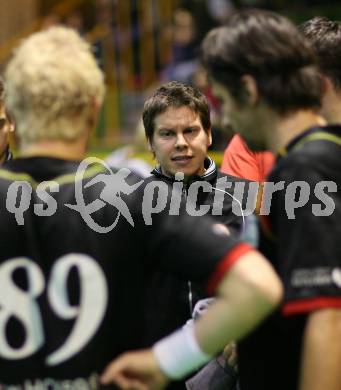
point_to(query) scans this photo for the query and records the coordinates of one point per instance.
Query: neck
(331, 105)
(66, 150)
(186, 177)
(291, 126)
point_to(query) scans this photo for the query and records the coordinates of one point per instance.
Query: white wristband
(179, 354)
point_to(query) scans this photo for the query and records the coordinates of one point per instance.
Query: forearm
(321, 354)
(246, 297)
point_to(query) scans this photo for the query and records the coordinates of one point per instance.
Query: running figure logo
(114, 185)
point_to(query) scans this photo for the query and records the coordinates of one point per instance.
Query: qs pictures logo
(114, 184)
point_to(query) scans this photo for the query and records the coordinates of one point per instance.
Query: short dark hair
(268, 47)
(325, 37)
(175, 94)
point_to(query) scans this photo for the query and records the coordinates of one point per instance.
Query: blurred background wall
(139, 44)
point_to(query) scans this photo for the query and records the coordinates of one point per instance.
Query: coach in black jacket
(178, 129)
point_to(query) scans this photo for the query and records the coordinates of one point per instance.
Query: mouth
(182, 158)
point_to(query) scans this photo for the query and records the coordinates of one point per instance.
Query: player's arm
(321, 356)
(246, 295)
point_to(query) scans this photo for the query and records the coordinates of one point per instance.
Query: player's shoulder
(297, 165)
(231, 178)
(11, 179)
(315, 146)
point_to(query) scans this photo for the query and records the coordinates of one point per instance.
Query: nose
(181, 142)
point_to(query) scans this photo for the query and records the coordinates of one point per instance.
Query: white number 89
(23, 305)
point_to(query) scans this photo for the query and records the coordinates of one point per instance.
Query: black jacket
(171, 299)
(227, 209)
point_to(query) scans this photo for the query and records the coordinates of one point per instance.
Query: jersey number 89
(22, 304)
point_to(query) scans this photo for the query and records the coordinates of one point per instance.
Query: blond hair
(52, 82)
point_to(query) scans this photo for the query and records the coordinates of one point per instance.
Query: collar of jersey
(210, 172)
(62, 179)
(330, 133)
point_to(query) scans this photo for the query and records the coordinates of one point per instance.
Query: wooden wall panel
(17, 19)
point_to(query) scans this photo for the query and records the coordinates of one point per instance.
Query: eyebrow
(194, 126)
(165, 129)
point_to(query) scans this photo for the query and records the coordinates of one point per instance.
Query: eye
(166, 133)
(191, 130)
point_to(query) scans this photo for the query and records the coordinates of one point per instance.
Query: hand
(135, 371)
(230, 355)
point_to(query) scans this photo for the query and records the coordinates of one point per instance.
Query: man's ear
(91, 119)
(209, 137)
(251, 89)
(326, 85)
(93, 114)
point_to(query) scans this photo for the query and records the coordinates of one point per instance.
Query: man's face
(244, 118)
(6, 126)
(180, 142)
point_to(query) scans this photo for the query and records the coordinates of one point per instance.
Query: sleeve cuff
(225, 264)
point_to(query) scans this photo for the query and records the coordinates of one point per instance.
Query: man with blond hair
(77, 248)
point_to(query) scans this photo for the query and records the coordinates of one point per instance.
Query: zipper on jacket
(189, 283)
(190, 298)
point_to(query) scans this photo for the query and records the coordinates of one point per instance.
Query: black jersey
(301, 237)
(76, 251)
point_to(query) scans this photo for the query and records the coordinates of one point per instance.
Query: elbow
(264, 283)
(274, 291)
(268, 283)
(269, 286)
(267, 294)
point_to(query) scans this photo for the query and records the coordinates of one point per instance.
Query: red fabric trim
(308, 305)
(225, 264)
(240, 161)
